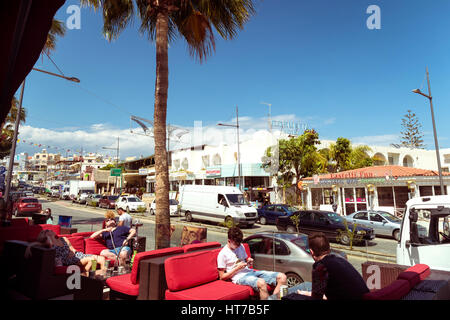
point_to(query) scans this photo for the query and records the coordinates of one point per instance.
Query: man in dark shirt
(116, 239)
(332, 275)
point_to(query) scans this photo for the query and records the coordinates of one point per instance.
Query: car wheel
(229, 222)
(344, 239)
(396, 235)
(152, 212)
(188, 216)
(263, 220)
(291, 229)
(293, 279)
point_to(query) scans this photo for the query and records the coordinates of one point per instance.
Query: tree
(342, 156)
(411, 134)
(163, 21)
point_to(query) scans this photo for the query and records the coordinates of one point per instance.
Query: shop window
(401, 196)
(316, 197)
(349, 208)
(426, 191)
(327, 196)
(385, 197)
(348, 195)
(360, 194)
(437, 190)
(361, 206)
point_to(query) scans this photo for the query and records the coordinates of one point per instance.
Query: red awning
(35, 19)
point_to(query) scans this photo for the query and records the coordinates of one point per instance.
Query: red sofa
(404, 283)
(194, 276)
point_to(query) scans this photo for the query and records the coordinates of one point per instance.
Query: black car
(269, 213)
(330, 223)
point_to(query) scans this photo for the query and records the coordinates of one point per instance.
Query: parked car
(108, 202)
(173, 207)
(130, 203)
(289, 253)
(330, 223)
(93, 199)
(26, 206)
(383, 223)
(270, 213)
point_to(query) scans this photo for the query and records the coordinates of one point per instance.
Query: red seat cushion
(33, 231)
(147, 255)
(200, 246)
(77, 243)
(123, 284)
(215, 290)
(421, 269)
(94, 246)
(20, 222)
(395, 291)
(60, 270)
(82, 234)
(191, 269)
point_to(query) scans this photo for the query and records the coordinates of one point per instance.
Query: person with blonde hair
(65, 253)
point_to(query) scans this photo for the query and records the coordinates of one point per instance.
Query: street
(86, 218)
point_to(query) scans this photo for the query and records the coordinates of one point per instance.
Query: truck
(78, 190)
(217, 204)
(53, 188)
(425, 233)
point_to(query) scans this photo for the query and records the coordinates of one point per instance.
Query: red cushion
(201, 246)
(20, 222)
(216, 290)
(33, 231)
(422, 269)
(123, 284)
(94, 246)
(395, 291)
(60, 270)
(82, 234)
(147, 255)
(77, 243)
(191, 269)
(12, 233)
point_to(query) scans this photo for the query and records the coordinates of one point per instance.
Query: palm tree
(163, 21)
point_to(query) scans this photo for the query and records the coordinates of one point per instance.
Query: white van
(216, 203)
(425, 234)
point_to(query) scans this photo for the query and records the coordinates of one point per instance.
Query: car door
(321, 224)
(279, 212)
(268, 212)
(361, 218)
(306, 223)
(260, 249)
(376, 223)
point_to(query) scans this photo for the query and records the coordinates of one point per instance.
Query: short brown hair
(235, 234)
(319, 243)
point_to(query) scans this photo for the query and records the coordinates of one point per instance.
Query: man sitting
(332, 275)
(233, 263)
(116, 238)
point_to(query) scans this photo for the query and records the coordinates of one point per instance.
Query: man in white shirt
(233, 263)
(124, 218)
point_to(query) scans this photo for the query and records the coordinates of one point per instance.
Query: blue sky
(314, 61)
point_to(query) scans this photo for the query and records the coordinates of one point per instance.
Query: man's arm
(131, 234)
(228, 275)
(97, 234)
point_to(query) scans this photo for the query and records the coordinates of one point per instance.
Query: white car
(173, 207)
(130, 203)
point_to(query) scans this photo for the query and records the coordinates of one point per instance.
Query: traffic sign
(115, 172)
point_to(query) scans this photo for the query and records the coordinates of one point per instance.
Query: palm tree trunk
(162, 226)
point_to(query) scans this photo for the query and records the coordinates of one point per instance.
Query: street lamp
(441, 182)
(270, 116)
(238, 148)
(117, 158)
(16, 128)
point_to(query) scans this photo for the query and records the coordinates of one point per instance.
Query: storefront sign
(143, 172)
(213, 173)
(352, 175)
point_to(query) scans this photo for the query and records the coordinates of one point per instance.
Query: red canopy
(20, 50)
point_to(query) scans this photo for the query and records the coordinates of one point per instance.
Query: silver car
(291, 255)
(383, 223)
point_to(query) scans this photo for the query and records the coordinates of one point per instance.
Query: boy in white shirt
(233, 263)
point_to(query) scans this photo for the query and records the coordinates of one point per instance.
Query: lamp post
(270, 116)
(238, 148)
(441, 182)
(117, 158)
(16, 128)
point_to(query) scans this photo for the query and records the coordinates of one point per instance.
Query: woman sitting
(65, 253)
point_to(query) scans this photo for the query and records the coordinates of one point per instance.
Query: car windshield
(389, 216)
(133, 199)
(236, 199)
(112, 198)
(334, 217)
(173, 202)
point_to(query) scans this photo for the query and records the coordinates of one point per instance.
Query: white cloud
(380, 140)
